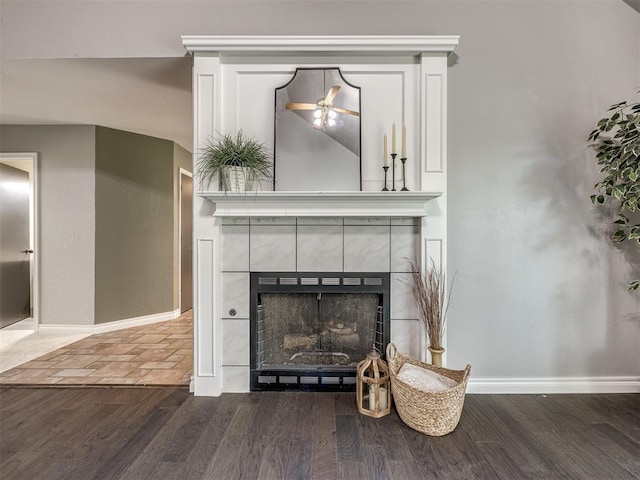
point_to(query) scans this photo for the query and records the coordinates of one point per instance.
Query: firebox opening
(309, 331)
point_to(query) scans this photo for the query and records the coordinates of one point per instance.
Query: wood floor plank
(476, 461)
(594, 440)
(387, 433)
(515, 429)
(149, 426)
(82, 434)
(106, 438)
(578, 461)
(167, 471)
(425, 454)
(194, 415)
(621, 411)
(352, 470)
(75, 423)
(345, 404)
(170, 441)
(290, 410)
(406, 470)
(204, 449)
(375, 463)
(28, 445)
(228, 459)
(622, 441)
(501, 463)
(263, 426)
(450, 459)
(347, 439)
(15, 399)
(324, 460)
(300, 454)
(298, 460)
(77, 441)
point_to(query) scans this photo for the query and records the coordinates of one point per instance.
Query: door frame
(34, 221)
(181, 171)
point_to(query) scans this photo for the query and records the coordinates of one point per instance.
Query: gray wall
(108, 207)
(66, 158)
(134, 225)
(540, 290)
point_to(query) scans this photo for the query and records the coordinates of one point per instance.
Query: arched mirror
(317, 133)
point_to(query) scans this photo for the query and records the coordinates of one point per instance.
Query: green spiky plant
(616, 140)
(230, 150)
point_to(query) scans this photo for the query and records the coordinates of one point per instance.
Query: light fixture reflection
(15, 187)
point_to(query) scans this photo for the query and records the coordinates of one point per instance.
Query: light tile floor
(155, 354)
(19, 343)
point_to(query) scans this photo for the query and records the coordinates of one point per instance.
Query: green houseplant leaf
(222, 152)
(616, 140)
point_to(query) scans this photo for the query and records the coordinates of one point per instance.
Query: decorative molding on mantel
(320, 204)
(292, 44)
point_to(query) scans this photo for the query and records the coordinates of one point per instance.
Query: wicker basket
(436, 413)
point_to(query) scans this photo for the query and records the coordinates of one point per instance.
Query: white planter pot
(236, 179)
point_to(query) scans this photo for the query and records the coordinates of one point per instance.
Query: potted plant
(432, 299)
(616, 140)
(236, 160)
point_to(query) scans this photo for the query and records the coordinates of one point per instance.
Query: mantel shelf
(319, 44)
(320, 204)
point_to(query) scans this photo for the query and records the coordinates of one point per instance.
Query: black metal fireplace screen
(309, 330)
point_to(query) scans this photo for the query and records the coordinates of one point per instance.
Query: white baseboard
(208, 386)
(555, 385)
(111, 326)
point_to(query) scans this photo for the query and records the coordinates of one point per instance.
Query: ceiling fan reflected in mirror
(315, 139)
(323, 110)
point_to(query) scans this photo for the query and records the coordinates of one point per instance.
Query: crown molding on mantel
(320, 204)
(349, 44)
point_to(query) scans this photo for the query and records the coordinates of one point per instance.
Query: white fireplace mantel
(321, 44)
(404, 80)
(320, 204)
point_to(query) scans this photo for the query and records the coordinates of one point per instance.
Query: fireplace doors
(309, 330)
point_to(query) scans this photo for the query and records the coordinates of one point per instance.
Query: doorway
(18, 237)
(186, 240)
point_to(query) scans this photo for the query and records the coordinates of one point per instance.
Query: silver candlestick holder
(386, 169)
(393, 171)
(404, 184)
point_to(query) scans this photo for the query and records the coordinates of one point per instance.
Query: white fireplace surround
(403, 79)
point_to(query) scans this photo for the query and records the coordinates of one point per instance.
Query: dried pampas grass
(431, 296)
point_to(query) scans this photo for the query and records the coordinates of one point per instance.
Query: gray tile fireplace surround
(308, 244)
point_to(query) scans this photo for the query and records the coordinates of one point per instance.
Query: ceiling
(151, 96)
(635, 4)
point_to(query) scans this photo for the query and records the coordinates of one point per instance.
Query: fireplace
(312, 231)
(309, 330)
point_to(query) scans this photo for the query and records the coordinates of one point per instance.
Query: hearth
(309, 330)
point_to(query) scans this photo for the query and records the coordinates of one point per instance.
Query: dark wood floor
(154, 433)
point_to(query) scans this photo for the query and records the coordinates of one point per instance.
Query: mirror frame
(275, 115)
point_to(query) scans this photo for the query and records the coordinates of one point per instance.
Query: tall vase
(436, 356)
